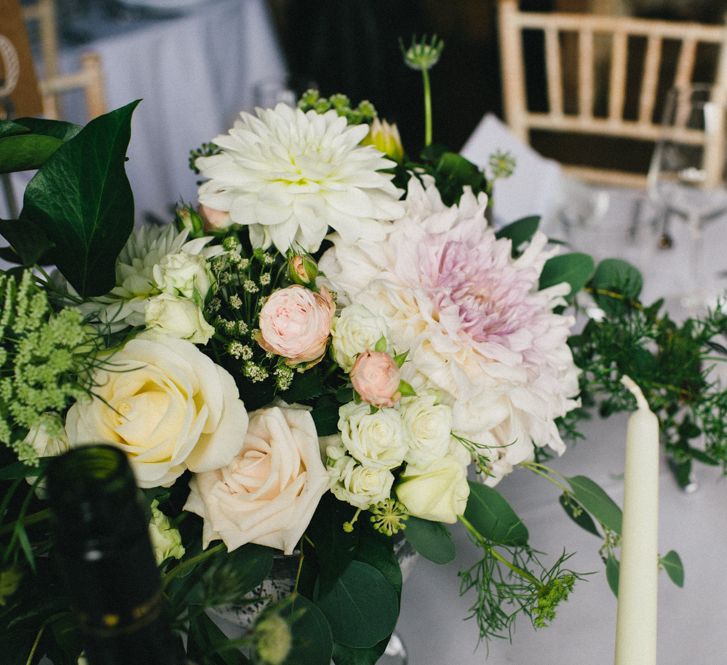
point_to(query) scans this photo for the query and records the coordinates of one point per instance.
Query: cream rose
(167, 405)
(437, 492)
(358, 485)
(270, 490)
(375, 377)
(177, 317)
(183, 274)
(374, 439)
(295, 323)
(428, 427)
(355, 330)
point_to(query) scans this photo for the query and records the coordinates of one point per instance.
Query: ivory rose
(361, 486)
(353, 331)
(428, 427)
(167, 405)
(374, 439)
(270, 490)
(437, 492)
(295, 323)
(375, 377)
(177, 317)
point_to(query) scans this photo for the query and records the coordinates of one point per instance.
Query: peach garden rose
(295, 323)
(375, 377)
(269, 492)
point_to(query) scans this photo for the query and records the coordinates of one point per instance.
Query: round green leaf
(574, 268)
(615, 276)
(431, 539)
(493, 517)
(312, 640)
(361, 607)
(519, 232)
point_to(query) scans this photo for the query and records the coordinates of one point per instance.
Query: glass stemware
(687, 175)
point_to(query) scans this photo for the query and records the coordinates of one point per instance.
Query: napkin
(529, 191)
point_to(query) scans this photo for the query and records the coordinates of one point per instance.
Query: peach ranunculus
(269, 492)
(166, 405)
(295, 323)
(375, 377)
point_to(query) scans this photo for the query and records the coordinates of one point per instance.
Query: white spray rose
(428, 428)
(165, 539)
(437, 492)
(183, 274)
(177, 317)
(354, 331)
(358, 485)
(374, 439)
(48, 440)
(167, 406)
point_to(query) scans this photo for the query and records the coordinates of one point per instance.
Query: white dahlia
(289, 175)
(478, 330)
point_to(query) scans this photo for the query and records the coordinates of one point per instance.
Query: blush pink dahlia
(477, 328)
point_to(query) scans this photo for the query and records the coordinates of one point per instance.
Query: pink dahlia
(477, 328)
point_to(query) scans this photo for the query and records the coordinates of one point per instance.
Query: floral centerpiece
(330, 356)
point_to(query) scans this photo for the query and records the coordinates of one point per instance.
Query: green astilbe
(47, 361)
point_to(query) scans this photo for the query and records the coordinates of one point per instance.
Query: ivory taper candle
(637, 606)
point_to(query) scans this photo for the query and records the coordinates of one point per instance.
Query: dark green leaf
(26, 143)
(11, 128)
(325, 416)
(431, 539)
(578, 515)
(682, 471)
(348, 656)
(672, 564)
(575, 269)
(379, 553)
(59, 129)
(519, 232)
(362, 607)
(493, 517)
(82, 199)
(206, 644)
(305, 386)
(312, 640)
(240, 571)
(27, 240)
(596, 502)
(612, 571)
(618, 277)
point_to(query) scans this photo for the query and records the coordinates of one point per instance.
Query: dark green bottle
(106, 558)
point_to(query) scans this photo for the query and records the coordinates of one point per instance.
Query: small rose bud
(375, 377)
(302, 269)
(385, 137)
(214, 220)
(189, 219)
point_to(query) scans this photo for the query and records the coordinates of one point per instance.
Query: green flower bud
(273, 640)
(188, 218)
(165, 539)
(385, 137)
(302, 269)
(422, 55)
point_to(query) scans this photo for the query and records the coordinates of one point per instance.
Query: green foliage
(612, 573)
(312, 638)
(493, 517)
(431, 539)
(614, 276)
(82, 200)
(575, 269)
(593, 499)
(575, 511)
(519, 232)
(26, 143)
(364, 112)
(671, 562)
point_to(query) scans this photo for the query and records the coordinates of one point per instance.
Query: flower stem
(427, 108)
(547, 473)
(190, 563)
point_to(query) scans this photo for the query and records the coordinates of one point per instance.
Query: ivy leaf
(431, 539)
(601, 506)
(27, 240)
(519, 232)
(574, 268)
(493, 517)
(82, 200)
(362, 607)
(26, 143)
(672, 564)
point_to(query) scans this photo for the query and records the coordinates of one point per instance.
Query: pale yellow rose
(177, 317)
(167, 405)
(270, 490)
(437, 492)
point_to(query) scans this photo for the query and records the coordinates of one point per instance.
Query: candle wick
(635, 391)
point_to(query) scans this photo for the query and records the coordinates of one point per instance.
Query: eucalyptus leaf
(574, 268)
(312, 640)
(672, 564)
(578, 515)
(612, 573)
(614, 276)
(347, 656)
(593, 498)
(431, 539)
(519, 232)
(362, 607)
(82, 200)
(377, 551)
(206, 644)
(493, 517)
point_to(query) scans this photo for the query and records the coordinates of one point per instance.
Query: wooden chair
(568, 37)
(53, 85)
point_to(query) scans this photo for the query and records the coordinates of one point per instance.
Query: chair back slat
(647, 98)
(685, 64)
(617, 80)
(585, 74)
(553, 71)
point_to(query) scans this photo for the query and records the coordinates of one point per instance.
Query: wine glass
(686, 178)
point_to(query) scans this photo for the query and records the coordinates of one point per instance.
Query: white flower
(376, 439)
(155, 259)
(428, 428)
(289, 175)
(166, 405)
(361, 486)
(354, 331)
(177, 317)
(478, 329)
(165, 539)
(48, 440)
(436, 492)
(270, 490)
